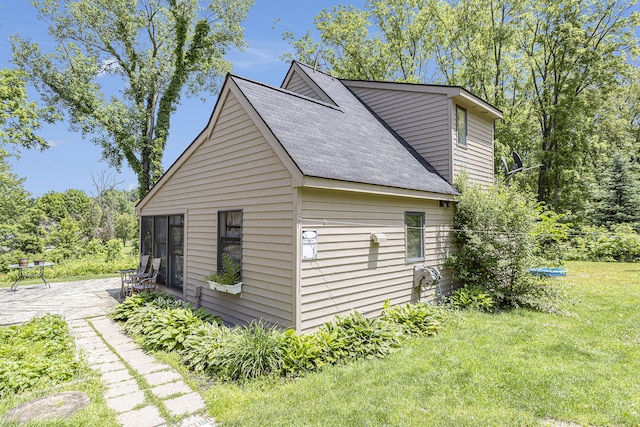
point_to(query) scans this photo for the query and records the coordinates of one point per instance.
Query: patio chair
(132, 276)
(142, 269)
(149, 283)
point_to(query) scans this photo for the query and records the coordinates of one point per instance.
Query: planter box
(229, 289)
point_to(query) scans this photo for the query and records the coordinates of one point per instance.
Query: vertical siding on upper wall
(353, 273)
(298, 85)
(421, 119)
(476, 159)
(236, 169)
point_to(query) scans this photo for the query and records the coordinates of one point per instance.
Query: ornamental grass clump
(250, 352)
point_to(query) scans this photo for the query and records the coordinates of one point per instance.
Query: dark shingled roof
(346, 143)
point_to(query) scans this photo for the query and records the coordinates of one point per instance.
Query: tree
(13, 197)
(576, 52)
(158, 49)
(550, 66)
(125, 227)
(19, 118)
(620, 203)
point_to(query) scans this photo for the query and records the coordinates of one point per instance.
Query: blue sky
(70, 160)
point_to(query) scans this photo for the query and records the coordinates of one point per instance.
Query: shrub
(621, 243)
(472, 297)
(113, 250)
(415, 319)
(495, 242)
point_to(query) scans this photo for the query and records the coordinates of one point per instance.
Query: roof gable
(345, 142)
(336, 137)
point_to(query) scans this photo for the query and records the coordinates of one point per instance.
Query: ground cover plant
(161, 323)
(38, 358)
(516, 367)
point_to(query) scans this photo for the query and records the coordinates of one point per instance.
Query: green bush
(496, 243)
(113, 250)
(39, 353)
(472, 297)
(414, 319)
(621, 243)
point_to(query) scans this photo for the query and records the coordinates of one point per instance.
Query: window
(162, 236)
(461, 125)
(229, 236)
(414, 223)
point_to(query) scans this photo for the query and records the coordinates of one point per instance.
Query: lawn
(519, 368)
(580, 367)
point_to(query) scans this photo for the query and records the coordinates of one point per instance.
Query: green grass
(38, 359)
(519, 368)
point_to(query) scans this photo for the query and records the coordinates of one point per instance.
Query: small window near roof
(461, 126)
(414, 224)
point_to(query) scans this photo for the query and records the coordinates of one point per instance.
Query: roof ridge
(316, 70)
(286, 92)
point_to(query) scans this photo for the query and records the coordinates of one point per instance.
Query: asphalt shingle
(345, 141)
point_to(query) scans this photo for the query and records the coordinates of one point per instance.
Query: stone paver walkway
(141, 390)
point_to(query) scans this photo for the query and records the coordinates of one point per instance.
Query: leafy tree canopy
(556, 68)
(19, 118)
(156, 49)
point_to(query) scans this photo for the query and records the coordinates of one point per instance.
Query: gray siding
(421, 119)
(476, 159)
(351, 272)
(298, 85)
(236, 169)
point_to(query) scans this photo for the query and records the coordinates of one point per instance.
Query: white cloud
(260, 55)
(108, 66)
(57, 142)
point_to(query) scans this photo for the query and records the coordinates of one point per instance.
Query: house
(327, 191)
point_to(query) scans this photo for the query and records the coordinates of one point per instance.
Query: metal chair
(149, 283)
